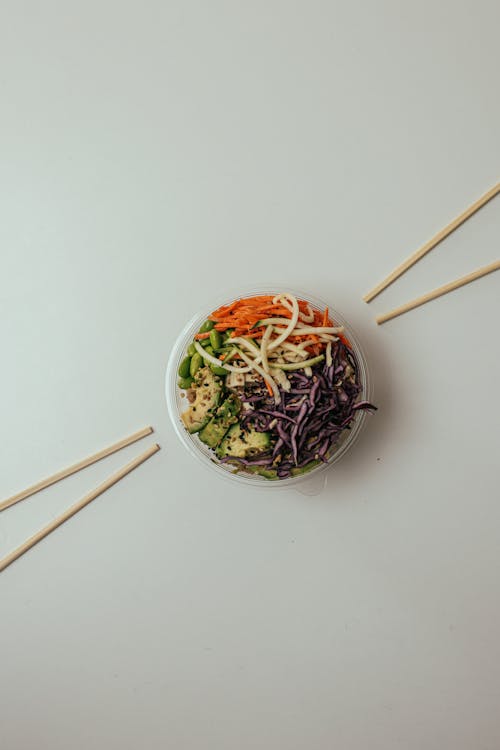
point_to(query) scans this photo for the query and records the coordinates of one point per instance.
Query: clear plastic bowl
(177, 404)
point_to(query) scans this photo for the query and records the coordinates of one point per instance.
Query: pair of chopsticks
(73, 509)
(418, 254)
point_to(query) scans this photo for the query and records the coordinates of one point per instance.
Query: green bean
(191, 350)
(185, 383)
(207, 326)
(215, 338)
(184, 367)
(196, 362)
(218, 370)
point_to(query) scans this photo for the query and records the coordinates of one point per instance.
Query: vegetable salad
(271, 383)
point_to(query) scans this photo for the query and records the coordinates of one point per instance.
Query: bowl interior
(177, 401)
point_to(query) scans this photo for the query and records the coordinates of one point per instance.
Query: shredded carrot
(269, 389)
(241, 316)
(201, 336)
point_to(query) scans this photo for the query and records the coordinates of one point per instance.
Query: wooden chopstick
(75, 467)
(432, 243)
(73, 509)
(495, 266)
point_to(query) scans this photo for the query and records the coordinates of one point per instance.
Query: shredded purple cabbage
(310, 417)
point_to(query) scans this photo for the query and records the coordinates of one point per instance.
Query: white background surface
(155, 153)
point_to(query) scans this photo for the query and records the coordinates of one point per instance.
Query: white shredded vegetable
(329, 354)
(307, 342)
(281, 378)
(264, 346)
(273, 321)
(293, 321)
(307, 318)
(250, 345)
(216, 361)
(297, 348)
(302, 330)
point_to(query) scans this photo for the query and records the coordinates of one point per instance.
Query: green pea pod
(196, 363)
(215, 339)
(185, 383)
(207, 326)
(218, 370)
(191, 350)
(185, 367)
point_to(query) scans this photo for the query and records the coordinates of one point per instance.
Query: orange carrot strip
(200, 336)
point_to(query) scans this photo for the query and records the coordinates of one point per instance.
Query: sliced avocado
(229, 409)
(267, 473)
(304, 469)
(213, 432)
(224, 416)
(263, 472)
(243, 443)
(272, 473)
(208, 391)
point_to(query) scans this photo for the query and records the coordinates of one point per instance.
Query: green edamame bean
(215, 338)
(185, 383)
(218, 370)
(184, 367)
(207, 326)
(205, 343)
(191, 350)
(196, 362)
